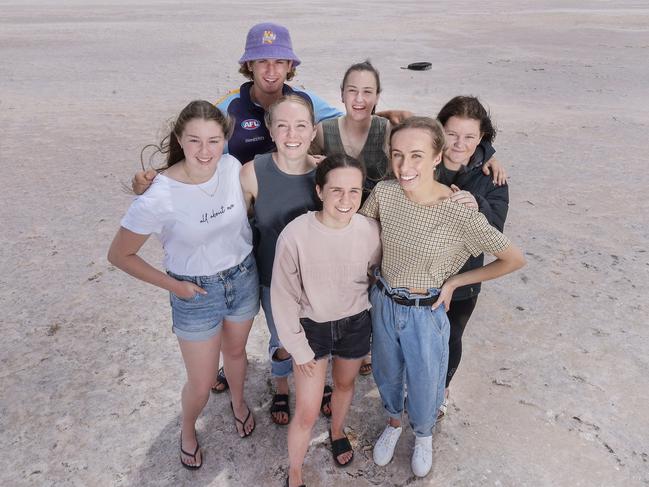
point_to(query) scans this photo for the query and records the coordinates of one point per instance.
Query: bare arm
(395, 116)
(317, 146)
(507, 261)
(248, 180)
(386, 142)
(123, 254)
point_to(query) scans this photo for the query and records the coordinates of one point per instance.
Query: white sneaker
(385, 445)
(422, 456)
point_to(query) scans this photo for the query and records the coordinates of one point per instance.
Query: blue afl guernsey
(250, 136)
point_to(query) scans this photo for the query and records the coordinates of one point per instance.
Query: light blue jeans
(278, 368)
(409, 350)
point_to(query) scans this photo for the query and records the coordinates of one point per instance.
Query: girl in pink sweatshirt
(319, 294)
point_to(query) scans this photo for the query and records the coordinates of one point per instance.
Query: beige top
(425, 245)
(322, 274)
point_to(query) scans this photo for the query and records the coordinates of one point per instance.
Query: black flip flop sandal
(193, 455)
(243, 423)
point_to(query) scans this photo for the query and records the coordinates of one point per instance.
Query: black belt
(407, 301)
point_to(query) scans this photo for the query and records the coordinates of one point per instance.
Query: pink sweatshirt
(320, 273)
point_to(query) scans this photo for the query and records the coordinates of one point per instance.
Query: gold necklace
(198, 185)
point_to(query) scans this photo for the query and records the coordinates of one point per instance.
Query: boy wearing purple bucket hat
(268, 62)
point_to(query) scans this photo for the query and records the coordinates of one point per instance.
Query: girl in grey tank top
(281, 197)
(279, 187)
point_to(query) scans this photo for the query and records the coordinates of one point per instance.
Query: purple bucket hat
(269, 41)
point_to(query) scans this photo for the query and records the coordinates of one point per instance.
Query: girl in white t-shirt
(196, 208)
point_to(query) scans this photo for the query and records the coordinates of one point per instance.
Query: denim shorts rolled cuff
(197, 336)
(280, 368)
(245, 316)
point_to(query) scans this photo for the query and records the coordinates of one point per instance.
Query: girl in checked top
(426, 238)
(197, 210)
(320, 302)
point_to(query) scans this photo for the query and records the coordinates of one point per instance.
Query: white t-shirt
(200, 234)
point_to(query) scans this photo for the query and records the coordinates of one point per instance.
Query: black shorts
(347, 338)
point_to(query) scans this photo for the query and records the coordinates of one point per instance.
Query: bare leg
(235, 364)
(308, 394)
(201, 363)
(344, 374)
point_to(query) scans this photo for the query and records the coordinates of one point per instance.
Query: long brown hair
(170, 145)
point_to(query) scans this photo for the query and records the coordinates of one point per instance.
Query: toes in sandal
(280, 405)
(326, 401)
(221, 383)
(243, 433)
(366, 369)
(189, 466)
(340, 446)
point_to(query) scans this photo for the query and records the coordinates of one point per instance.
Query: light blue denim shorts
(232, 294)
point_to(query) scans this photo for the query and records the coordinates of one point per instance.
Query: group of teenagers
(354, 233)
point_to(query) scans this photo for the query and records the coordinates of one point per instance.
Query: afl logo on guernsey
(250, 124)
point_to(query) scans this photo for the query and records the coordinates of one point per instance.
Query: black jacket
(493, 203)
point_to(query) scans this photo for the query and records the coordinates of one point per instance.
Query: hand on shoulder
(142, 180)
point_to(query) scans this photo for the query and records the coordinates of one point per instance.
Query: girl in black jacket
(469, 134)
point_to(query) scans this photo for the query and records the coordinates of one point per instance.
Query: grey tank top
(280, 199)
(372, 155)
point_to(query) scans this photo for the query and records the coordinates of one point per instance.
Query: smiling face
(269, 75)
(202, 142)
(292, 129)
(462, 137)
(341, 196)
(413, 158)
(359, 94)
